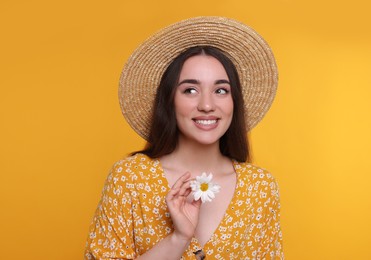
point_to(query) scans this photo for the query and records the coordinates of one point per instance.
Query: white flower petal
(215, 188)
(194, 185)
(197, 195)
(204, 197)
(210, 194)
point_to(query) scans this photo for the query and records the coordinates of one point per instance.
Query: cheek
(231, 107)
(228, 110)
(182, 107)
(228, 106)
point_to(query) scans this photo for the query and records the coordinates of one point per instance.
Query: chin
(207, 140)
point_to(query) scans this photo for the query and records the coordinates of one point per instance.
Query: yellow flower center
(204, 186)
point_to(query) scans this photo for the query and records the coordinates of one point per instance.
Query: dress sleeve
(272, 239)
(111, 231)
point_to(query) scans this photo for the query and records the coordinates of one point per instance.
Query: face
(203, 100)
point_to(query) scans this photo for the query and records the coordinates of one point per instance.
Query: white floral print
(127, 224)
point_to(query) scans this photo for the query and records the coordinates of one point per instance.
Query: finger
(172, 193)
(187, 192)
(178, 183)
(185, 189)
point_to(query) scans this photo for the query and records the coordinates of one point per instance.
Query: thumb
(197, 203)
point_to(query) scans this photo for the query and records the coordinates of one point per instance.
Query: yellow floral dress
(132, 215)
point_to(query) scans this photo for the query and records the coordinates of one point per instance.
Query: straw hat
(248, 51)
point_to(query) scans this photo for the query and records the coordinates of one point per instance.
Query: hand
(184, 213)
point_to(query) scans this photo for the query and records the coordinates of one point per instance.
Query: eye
(222, 91)
(190, 91)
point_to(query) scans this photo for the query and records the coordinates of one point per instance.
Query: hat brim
(248, 51)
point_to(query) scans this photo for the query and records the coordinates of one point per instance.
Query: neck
(195, 157)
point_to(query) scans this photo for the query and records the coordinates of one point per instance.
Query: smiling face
(203, 101)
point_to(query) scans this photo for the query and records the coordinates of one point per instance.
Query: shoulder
(253, 171)
(256, 176)
(131, 169)
(133, 162)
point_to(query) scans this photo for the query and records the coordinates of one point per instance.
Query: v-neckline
(229, 208)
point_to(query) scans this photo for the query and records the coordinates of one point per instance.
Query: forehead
(203, 66)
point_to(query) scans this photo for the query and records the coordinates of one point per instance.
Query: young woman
(191, 193)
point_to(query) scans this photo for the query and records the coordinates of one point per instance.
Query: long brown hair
(163, 136)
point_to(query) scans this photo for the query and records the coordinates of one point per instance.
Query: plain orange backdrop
(62, 129)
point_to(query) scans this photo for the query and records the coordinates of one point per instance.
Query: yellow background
(62, 129)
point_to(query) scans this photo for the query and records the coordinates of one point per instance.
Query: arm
(184, 215)
(111, 233)
(272, 240)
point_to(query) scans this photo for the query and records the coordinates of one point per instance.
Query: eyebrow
(197, 82)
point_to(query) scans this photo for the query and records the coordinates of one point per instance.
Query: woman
(216, 79)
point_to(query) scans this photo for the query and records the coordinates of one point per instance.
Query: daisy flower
(203, 188)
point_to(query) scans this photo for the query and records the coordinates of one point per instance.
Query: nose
(206, 103)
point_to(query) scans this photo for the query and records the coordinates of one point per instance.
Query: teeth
(206, 122)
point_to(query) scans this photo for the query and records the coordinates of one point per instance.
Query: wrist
(179, 240)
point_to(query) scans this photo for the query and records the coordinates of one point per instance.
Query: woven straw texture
(249, 52)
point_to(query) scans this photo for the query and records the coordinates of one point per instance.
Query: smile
(206, 122)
